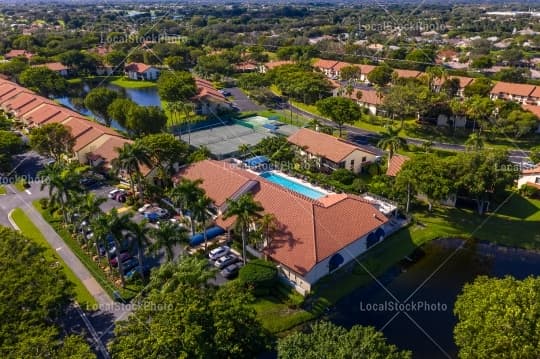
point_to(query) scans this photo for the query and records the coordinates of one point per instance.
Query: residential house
(530, 177)
(512, 91)
(209, 100)
(535, 110)
(407, 74)
(331, 153)
(463, 82)
(369, 99)
(245, 67)
(140, 71)
(313, 238)
(273, 64)
(57, 67)
(396, 162)
(16, 53)
(326, 67)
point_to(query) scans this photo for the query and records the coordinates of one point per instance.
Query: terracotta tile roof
(366, 69)
(323, 145)
(16, 53)
(532, 108)
(463, 81)
(206, 89)
(54, 66)
(340, 65)
(41, 113)
(407, 73)
(308, 231)
(512, 89)
(16, 102)
(324, 64)
(532, 171)
(11, 90)
(33, 105)
(137, 67)
(369, 97)
(396, 162)
(273, 64)
(107, 151)
(536, 92)
(245, 66)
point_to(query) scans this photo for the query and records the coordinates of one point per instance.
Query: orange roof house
(407, 74)
(331, 151)
(16, 53)
(310, 233)
(396, 162)
(512, 91)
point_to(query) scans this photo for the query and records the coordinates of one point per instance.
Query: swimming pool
(292, 185)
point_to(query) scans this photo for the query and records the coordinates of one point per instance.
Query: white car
(144, 208)
(114, 192)
(218, 252)
(225, 261)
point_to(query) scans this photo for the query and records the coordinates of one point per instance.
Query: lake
(428, 332)
(142, 96)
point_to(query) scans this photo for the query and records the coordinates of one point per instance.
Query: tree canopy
(341, 110)
(43, 80)
(98, 101)
(176, 86)
(53, 140)
(499, 318)
(300, 83)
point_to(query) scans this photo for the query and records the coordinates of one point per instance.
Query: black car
(231, 270)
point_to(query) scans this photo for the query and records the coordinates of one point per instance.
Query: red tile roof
(340, 65)
(366, 69)
(108, 150)
(407, 73)
(536, 92)
(532, 171)
(16, 102)
(308, 231)
(137, 67)
(369, 97)
(206, 89)
(512, 89)
(16, 53)
(324, 64)
(54, 66)
(396, 162)
(323, 145)
(32, 105)
(463, 81)
(273, 64)
(532, 108)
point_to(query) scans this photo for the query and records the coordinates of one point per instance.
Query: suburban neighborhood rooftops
(463, 81)
(366, 96)
(308, 230)
(407, 73)
(273, 64)
(512, 89)
(323, 145)
(325, 64)
(54, 66)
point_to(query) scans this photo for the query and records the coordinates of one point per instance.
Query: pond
(433, 280)
(147, 96)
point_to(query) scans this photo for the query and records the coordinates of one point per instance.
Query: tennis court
(223, 141)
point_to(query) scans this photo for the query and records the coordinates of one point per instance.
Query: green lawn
(2, 190)
(127, 293)
(28, 228)
(133, 84)
(276, 316)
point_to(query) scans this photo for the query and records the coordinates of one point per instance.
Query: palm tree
(391, 142)
(185, 194)
(246, 210)
(267, 224)
(167, 236)
(62, 181)
(100, 228)
(140, 233)
(117, 226)
(86, 206)
(200, 214)
(243, 149)
(130, 159)
(475, 142)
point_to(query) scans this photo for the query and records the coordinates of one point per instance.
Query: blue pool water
(293, 186)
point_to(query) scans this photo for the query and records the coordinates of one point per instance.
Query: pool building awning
(256, 161)
(210, 233)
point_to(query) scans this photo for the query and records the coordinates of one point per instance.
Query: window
(364, 159)
(352, 165)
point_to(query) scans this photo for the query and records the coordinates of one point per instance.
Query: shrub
(259, 274)
(529, 191)
(44, 203)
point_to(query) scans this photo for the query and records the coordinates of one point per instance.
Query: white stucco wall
(534, 178)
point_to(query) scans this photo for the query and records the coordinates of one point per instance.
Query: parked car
(218, 252)
(124, 256)
(137, 270)
(152, 217)
(129, 264)
(144, 208)
(115, 192)
(225, 261)
(161, 212)
(231, 270)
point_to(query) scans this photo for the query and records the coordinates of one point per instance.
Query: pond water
(429, 333)
(142, 96)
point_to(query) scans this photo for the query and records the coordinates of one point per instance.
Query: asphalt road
(243, 102)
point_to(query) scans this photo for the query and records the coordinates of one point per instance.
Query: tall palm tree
(246, 210)
(475, 142)
(185, 194)
(130, 159)
(267, 224)
(391, 142)
(140, 233)
(117, 226)
(100, 228)
(62, 181)
(86, 206)
(201, 215)
(243, 149)
(167, 236)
